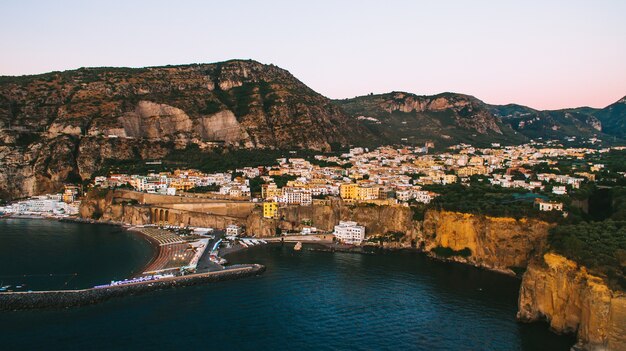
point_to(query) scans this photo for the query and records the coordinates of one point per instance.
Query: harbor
(181, 257)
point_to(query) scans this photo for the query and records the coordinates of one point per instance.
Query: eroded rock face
(155, 121)
(378, 220)
(573, 301)
(223, 126)
(495, 242)
(468, 112)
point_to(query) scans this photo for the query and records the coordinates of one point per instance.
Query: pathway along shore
(10, 301)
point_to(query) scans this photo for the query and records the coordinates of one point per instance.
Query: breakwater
(71, 298)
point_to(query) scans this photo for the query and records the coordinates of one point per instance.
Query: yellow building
(296, 184)
(348, 191)
(182, 185)
(270, 209)
(449, 178)
(270, 190)
(367, 193)
(353, 191)
(470, 171)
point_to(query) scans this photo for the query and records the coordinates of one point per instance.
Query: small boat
(298, 246)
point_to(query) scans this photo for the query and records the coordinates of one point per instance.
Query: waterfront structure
(233, 230)
(349, 232)
(42, 205)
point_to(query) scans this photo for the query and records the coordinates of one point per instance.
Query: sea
(306, 300)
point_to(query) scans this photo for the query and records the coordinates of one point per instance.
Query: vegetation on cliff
(208, 161)
(599, 246)
(484, 199)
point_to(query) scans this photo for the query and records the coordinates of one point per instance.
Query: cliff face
(502, 244)
(63, 125)
(377, 220)
(495, 243)
(572, 300)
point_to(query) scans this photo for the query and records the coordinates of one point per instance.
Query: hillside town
(397, 176)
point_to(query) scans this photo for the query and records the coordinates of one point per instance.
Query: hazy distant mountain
(445, 119)
(450, 118)
(613, 118)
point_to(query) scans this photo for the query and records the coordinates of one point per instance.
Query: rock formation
(497, 243)
(573, 301)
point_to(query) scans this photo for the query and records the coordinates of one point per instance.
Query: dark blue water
(305, 301)
(48, 255)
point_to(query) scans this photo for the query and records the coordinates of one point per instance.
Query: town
(394, 176)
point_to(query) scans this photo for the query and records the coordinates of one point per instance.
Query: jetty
(10, 301)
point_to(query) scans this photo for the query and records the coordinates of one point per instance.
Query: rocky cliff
(573, 301)
(62, 126)
(378, 220)
(504, 244)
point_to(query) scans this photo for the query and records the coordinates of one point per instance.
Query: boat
(298, 246)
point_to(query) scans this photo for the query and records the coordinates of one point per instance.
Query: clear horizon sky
(544, 54)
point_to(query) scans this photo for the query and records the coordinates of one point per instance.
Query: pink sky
(543, 54)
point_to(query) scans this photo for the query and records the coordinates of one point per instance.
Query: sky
(546, 54)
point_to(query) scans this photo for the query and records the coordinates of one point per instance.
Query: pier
(70, 298)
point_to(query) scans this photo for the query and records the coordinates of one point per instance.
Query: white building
(298, 196)
(41, 205)
(550, 206)
(308, 230)
(233, 230)
(559, 190)
(424, 197)
(349, 232)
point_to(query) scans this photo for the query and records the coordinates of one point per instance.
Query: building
(348, 191)
(270, 209)
(367, 192)
(550, 206)
(233, 230)
(349, 232)
(424, 197)
(559, 190)
(270, 191)
(307, 230)
(296, 196)
(352, 191)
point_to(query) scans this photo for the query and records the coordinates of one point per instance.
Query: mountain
(450, 118)
(557, 124)
(446, 119)
(63, 126)
(613, 118)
